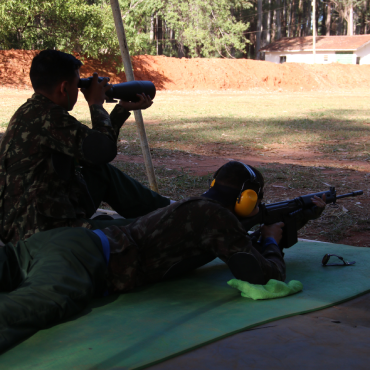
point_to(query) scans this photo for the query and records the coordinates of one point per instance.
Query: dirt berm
(205, 74)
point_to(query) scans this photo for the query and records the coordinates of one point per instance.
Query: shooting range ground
(306, 127)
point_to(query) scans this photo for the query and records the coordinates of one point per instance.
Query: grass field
(307, 141)
(329, 124)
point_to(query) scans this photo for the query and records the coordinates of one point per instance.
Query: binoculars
(126, 91)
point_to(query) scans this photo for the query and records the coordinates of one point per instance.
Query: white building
(329, 49)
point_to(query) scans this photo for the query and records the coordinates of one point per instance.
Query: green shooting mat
(141, 328)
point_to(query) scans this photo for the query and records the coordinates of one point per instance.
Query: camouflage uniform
(35, 195)
(142, 252)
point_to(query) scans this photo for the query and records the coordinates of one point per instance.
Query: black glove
(308, 214)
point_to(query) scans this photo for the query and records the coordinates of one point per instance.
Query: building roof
(322, 43)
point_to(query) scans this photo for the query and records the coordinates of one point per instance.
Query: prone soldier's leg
(258, 267)
(243, 259)
(124, 194)
(55, 273)
(251, 265)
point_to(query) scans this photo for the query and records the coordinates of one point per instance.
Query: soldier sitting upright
(54, 170)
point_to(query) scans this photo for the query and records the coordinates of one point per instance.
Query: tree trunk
(268, 23)
(259, 28)
(285, 19)
(350, 20)
(363, 19)
(273, 22)
(300, 17)
(159, 36)
(294, 13)
(356, 23)
(152, 22)
(305, 13)
(309, 12)
(278, 19)
(291, 19)
(340, 23)
(317, 16)
(252, 45)
(323, 22)
(328, 19)
(251, 34)
(264, 25)
(172, 42)
(180, 50)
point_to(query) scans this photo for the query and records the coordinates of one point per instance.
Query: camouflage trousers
(128, 197)
(131, 265)
(106, 183)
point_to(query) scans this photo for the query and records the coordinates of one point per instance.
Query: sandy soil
(205, 74)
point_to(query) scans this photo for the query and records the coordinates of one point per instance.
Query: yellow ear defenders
(246, 203)
(247, 199)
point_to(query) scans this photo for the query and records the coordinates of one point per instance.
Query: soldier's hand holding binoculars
(95, 93)
(144, 103)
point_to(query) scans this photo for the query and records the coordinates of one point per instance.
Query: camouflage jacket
(38, 156)
(142, 252)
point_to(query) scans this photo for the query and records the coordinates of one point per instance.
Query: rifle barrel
(353, 194)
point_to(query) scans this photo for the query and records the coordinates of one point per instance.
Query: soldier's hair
(51, 67)
(234, 174)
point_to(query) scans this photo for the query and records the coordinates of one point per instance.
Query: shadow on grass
(329, 133)
(175, 184)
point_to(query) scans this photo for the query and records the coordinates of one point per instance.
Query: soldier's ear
(63, 87)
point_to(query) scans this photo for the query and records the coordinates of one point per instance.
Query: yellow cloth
(273, 289)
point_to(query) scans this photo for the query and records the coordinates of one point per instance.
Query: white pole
(314, 30)
(130, 77)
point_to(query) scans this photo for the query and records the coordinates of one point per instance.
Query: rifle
(126, 91)
(288, 212)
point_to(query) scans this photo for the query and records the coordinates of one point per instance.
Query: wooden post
(130, 77)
